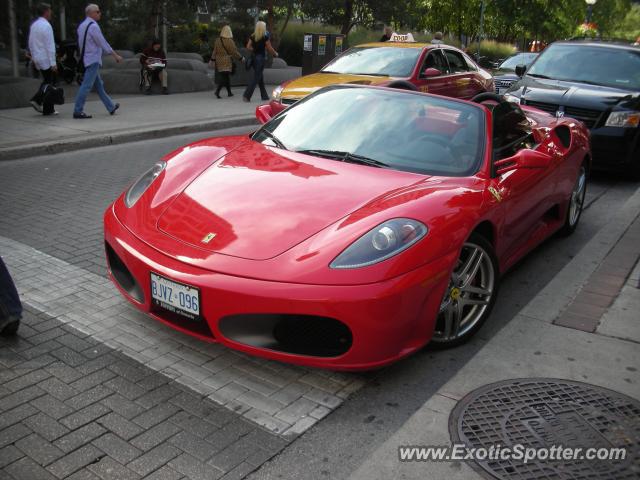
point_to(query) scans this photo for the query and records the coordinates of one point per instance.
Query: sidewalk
(584, 326)
(26, 133)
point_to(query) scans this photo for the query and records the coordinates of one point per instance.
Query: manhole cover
(542, 413)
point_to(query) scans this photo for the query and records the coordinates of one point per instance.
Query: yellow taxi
(428, 67)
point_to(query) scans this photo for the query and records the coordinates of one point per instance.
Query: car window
(391, 61)
(435, 59)
(523, 58)
(403, 130)
(456, 62)
(470, 64)
(596, 65)
(511, 130)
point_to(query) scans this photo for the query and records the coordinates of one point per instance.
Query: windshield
(391, 61)
(382, 128)
(519, 59)
(610, 67)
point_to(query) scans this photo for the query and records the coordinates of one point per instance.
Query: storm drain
(541, 413)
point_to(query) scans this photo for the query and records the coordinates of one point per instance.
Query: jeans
(257, 79)
(91, 78)
(10, 305)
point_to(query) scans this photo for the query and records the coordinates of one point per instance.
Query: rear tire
(575, 203)
(471, 294)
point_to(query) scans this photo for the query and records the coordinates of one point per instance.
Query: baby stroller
(67, 62)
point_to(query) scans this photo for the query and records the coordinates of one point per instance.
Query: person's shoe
(81, 115)
(116, 106)
(51, 113)
(218, 95)
(147, 91)
(230, 94)
(36, 106)
(9, 325)
(165, 91)
(245, 99)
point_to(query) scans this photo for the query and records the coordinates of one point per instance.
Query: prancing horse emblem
(208, 237)
(560, 112)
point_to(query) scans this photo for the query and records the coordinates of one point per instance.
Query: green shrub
(493, 50)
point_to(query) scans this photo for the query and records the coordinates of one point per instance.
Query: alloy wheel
(469, 295)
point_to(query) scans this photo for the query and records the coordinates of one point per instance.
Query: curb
(91, 141)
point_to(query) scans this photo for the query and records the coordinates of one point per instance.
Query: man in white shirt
(42, 47)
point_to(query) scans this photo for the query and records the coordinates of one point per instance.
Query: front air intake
(298, 334)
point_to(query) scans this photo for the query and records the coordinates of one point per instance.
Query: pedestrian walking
(259, 43)
(386, 36)
(42, 49)
(437, 38)
(10, 306)
(224, 51)
(92, 46)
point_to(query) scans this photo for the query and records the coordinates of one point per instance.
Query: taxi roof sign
(402, 37)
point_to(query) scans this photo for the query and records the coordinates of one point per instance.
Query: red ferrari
(352, 228)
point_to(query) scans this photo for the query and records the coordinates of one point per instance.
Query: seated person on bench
(154, 62)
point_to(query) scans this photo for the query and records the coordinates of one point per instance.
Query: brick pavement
(285, 399)
(586, 310)
(70, 407)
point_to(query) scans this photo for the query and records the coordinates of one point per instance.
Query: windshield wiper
(328, 71)
(345, 157)
(371, 74)
(537, 75)
(273, 138)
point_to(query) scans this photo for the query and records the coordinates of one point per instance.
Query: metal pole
(14, 38)
(164, 27)
(63, 23)
(589, 12)
(481, 28)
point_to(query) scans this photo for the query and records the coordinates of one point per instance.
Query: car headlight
(140, 186)
(511, 98)
(623, 119)
(384, 241)
(277, 93)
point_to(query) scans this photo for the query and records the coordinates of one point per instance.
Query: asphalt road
(55, 205)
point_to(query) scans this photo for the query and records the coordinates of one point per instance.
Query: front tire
(470, 295)
(576, 203)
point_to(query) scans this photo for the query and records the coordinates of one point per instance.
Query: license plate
(501, 90)
(175, 297)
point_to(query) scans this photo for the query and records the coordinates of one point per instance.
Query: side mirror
(523, 159)
(431, 72)
(264, 113)
(520, 69)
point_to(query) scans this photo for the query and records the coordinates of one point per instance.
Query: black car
(505, 74)
(597, 83)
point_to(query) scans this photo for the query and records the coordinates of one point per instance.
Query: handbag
(81, 67)
(233, 64)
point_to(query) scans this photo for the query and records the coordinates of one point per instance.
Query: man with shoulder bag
(93, 44)
(42, 48)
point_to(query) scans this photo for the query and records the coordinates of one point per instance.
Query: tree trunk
(286, 20)
(348, 15)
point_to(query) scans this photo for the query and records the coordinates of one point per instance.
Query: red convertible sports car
(352, 228)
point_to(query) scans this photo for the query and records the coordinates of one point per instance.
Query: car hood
(505, 75)
(308, 84)
(257, 202)
(574, 94)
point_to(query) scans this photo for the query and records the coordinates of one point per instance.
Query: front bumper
(615, 148)
(386, 320)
